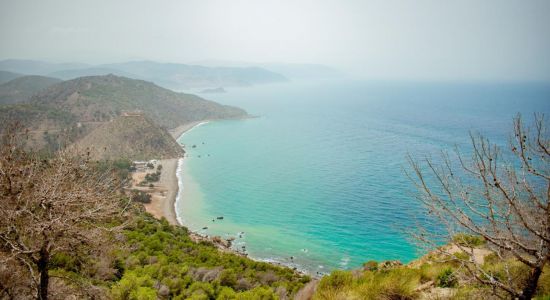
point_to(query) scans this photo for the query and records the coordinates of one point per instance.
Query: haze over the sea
(403, 40)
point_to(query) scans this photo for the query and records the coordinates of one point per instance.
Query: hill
(101, 98)
(133, 137)
(67, 111)
(22, 88)
(94, 71)
(6, 76)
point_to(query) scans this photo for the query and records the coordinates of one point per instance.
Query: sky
(389, 39)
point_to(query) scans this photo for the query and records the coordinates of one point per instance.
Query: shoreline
(170, 178)
(166, 191)
(177, 132)
(166, 206)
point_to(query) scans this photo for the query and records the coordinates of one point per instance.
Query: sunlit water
(319, 175)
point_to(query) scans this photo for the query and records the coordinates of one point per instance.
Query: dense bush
(163, 258)
(397, 283)
(152, 177)
(141, 197)
(447, 279)
(468, 240)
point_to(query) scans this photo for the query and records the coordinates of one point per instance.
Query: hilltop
(133, 137)
(22, 88)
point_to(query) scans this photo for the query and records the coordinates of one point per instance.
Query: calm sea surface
(318, 176)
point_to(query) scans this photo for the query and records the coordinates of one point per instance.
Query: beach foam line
(193, 127)
(179, 177)
(180, 190)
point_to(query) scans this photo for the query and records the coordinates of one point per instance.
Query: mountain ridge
(175, 76)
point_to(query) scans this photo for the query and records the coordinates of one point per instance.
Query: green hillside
(67, 111)
(22, 88)
(100, 98)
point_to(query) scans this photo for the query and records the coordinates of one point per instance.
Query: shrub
(258, 293)
(396, 283)
(226, 294)
(370, 265)
(141, 197)
(447, 279)
(468, 240)
(144, 293)
(336, 279)
(152, 177)
(228, 277)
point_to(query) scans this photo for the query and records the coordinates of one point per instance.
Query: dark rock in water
(194, 146)
(219, 218)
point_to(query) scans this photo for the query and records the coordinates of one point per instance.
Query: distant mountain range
(293, 71)
(169, 75)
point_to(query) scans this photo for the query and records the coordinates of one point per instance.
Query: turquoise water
(318, 176)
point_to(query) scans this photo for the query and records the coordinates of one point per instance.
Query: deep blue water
(319, 175)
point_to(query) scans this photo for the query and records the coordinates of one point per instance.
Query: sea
(317, 179)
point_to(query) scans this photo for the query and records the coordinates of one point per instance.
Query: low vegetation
(67, 229)
(133, 138)
(431, 277)
(163, 262)
(141, 196)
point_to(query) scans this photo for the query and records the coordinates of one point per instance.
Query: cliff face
(134, 137)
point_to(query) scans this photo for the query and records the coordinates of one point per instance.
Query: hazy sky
(462, 39)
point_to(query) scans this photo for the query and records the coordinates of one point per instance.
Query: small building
(141, 166)
(132, 113)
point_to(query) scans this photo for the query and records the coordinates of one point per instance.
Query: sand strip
(164, 206)
(178, 131)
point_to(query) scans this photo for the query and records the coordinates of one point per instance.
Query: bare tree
(48, 205)
(500, 195)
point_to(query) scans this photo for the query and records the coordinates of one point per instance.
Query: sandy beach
(165, 192)
(178, 131)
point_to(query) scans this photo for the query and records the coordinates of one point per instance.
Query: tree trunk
(531, 287)
(43, 270)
